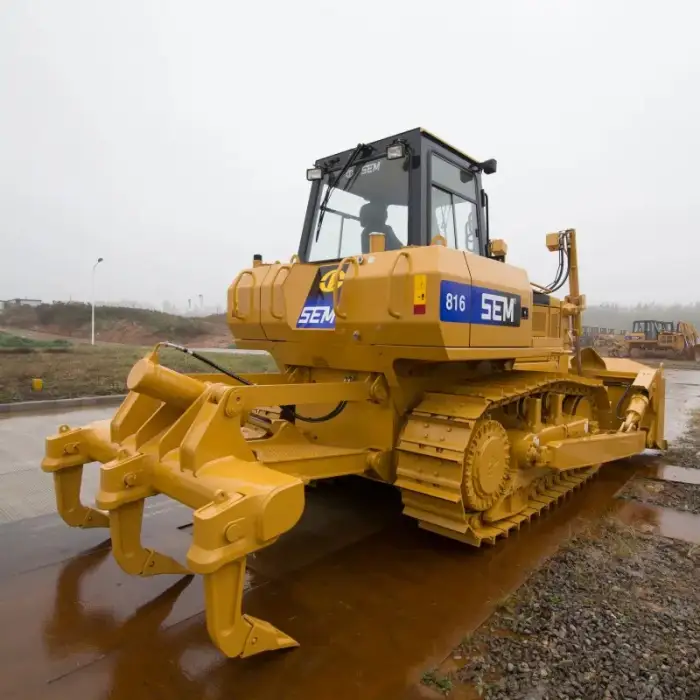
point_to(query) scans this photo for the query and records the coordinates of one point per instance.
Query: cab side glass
(443, 220)
(453, 205)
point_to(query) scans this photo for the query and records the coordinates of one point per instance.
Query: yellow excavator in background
(409, 352)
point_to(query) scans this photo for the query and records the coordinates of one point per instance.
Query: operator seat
(373, 216)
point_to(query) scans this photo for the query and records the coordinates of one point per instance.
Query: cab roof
(437, 139)
(413, 135)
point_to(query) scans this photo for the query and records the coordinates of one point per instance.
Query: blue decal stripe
(465, 303)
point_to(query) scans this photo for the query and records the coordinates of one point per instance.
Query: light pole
(99, 260)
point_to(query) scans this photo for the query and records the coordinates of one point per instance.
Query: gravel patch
(664, 493)
(616, 614)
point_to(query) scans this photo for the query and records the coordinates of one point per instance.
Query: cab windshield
(371, 197)
(651, 329)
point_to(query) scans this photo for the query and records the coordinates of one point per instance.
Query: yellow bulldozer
(670, 339)
(409, 352)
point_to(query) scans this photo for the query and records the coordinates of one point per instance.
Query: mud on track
(373, 600)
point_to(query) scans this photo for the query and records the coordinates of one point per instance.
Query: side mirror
(489, 166)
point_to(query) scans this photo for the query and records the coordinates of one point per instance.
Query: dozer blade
(626, 378)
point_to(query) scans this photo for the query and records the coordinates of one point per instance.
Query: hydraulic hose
(206, 361)
(287, 409)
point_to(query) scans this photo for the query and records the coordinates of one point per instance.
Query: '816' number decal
(455, 302)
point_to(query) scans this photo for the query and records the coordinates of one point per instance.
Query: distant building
(19, 302)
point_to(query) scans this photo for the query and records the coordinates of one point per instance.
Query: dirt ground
(614, 614)
(98, 371)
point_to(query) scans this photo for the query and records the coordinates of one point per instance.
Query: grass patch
(100, 370)
(11, 342)
(507, 603)
(439, 682)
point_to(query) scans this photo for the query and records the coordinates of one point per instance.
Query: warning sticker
(420, 290)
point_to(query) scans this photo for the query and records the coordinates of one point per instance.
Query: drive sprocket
(486, 465)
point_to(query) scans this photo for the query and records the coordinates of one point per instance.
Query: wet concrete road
(25, 491)
(682, 396)
(373, 600)
(373, 603)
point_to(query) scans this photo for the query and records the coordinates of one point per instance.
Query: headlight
(314, 174)
(395, 151)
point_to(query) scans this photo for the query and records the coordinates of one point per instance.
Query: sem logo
(317, 316)
(492, 307)
(331, 280)
(317, 312)
(366, 169)
(497, 308)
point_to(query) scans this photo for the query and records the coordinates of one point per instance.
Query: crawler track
(434, 455)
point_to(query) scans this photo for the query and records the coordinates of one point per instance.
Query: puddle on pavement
(669, 472)
(372, 599)
(667, 522)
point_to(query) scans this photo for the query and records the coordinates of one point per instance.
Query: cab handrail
(288, 267)
(336, 286)
(402, 254)
(234, 293)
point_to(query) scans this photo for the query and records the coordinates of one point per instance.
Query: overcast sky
(172, 137)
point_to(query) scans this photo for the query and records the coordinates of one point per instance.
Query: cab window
(371, 197)
(453, 212)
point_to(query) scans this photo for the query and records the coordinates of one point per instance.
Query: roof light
(314, 174)
(395, 151)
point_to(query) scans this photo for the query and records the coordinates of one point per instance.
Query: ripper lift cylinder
(158, 382)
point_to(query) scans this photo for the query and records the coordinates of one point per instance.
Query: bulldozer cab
(412, 187)
(651, 329)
